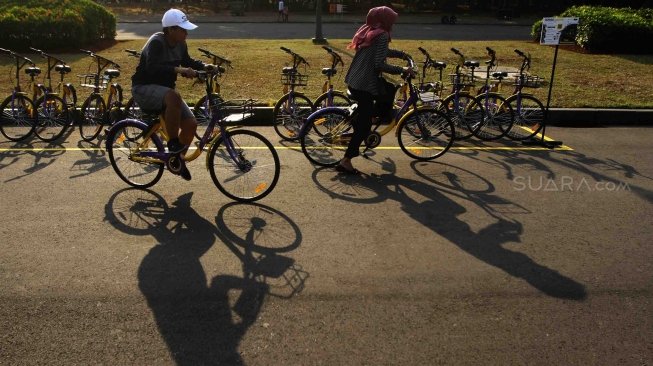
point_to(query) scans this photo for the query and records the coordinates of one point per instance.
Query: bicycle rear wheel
(289, 115)
(426, 134)
(17, 118)
(328, 146)
(497, 117)
(125, 141)
(248, 175)
(54, 117)
(529, 117)
(94, 116)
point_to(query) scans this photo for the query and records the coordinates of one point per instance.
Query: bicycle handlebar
(295, 56)
(17, 56)
(526, 63)
(336, 57)
(219, 60)
(493, 57)
(98, 57)
(133, 53)
(48, 56)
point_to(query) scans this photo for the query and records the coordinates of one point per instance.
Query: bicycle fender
(319, 113)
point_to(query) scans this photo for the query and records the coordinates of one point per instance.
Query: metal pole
(319, 39)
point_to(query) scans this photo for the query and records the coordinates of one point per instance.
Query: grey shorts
(150, 97)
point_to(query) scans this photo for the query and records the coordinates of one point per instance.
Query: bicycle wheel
(125, 141)
(338, 99)
(425, 134)
(18, 118)
(253, 171)
(54, 117)
(529, 116)
(463, 115)
(497, 117)
(326, 148)
(289, 115)
(94, 116)
(203, 114)
(132, 110)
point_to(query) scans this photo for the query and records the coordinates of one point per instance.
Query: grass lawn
(581, 80)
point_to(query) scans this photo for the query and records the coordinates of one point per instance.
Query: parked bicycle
(99, 109)
(529, 112)
(292, 109)
(19, 117)
(243, 164)
(57, 104)
(131, 109)
(203, 106)
(423, 132)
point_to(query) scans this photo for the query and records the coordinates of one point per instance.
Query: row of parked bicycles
(427, 119)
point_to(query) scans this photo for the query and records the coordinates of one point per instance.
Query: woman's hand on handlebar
(408, 71)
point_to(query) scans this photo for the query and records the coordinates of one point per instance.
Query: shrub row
(53, 23)
(610, 30)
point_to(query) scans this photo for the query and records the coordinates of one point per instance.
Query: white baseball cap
(176, 17)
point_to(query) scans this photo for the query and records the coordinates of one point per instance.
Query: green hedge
(54, 24)
(610, 30)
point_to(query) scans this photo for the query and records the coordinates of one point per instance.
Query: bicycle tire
(497, 117)
(326, 149)
(54, 118)
(123, 142)
(463, 117)
(289, 116)
(529, 117)
(338, 99)
(203, 115)
(425, 134)
(94, 116)
(256, 172)
(18, 119)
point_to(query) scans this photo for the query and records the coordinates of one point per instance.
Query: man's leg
(172, 114)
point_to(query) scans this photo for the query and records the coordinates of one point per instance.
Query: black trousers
(369, 107)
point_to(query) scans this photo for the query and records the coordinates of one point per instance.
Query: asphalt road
(459, 32)
(493, 254)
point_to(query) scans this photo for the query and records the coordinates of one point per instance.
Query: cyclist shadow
(195, 318)
(440, 211)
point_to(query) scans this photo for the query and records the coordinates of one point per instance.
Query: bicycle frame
(112, 89)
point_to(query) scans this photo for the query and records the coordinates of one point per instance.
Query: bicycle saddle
(113, 73)
(439, 65)
(63, 69)
(32, 71)
(288, 70)
(471, 64)
(498, 75)
(329, 71)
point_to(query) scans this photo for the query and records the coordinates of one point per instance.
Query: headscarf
(379, 20)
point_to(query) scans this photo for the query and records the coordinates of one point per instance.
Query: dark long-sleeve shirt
(158, 61)
(369, 63)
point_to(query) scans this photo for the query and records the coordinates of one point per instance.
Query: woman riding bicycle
(373, 94)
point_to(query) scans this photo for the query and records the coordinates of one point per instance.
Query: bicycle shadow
(94, 161)
(201, 322)
(439, 212)
(43, 156)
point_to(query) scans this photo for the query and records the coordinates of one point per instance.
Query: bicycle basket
(530, 81)
(294, 79)
(236, 110)
(88, 81)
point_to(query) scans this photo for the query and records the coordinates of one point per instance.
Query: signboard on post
(557, 31)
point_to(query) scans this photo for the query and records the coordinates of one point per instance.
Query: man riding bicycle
(164, 56)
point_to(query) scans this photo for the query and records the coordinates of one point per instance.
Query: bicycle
(19, 117)
(48, 128)
(423, 132)
(131, 109)
(100, 110)
(460, 104)
(329, 96)
(293, 107)
(243, 165)
(529, 112)
(498, 115)
(202, 109)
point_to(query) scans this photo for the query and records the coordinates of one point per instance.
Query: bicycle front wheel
(289, 115)
(325, 145)
(244, 166)
(125, 143)
(426, 134)
(94, 116)
(54, 118)
(497, 117)
(463, 113)
(18, 118)
(529, 116)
